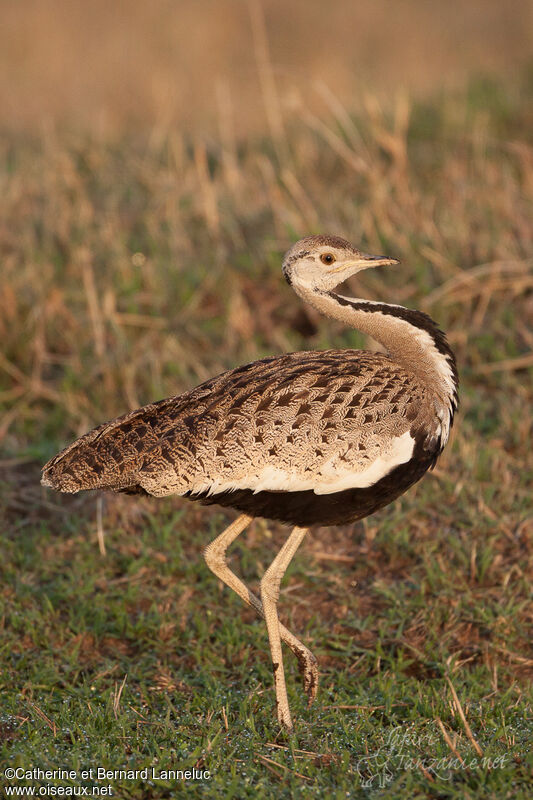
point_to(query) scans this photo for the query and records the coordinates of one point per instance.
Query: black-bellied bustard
(310, 438)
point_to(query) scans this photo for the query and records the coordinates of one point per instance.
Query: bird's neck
(410, 337)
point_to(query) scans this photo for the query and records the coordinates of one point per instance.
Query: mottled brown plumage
(299, 411)
(307, 438)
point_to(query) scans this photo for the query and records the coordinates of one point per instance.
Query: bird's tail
(104, 458)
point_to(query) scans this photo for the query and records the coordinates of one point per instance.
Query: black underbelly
(306, 508)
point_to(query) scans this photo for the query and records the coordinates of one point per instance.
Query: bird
(310, 438)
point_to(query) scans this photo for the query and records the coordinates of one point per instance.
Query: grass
(136, 266)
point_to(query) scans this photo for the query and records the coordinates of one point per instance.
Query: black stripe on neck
(413, 317)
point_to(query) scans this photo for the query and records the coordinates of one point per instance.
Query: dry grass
(125, 261)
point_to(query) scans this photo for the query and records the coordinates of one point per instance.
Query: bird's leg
(270, 583)
(215, 556)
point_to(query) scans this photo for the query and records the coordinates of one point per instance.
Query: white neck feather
(410, 337)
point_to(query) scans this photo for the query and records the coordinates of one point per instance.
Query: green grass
(131, 273)
(198, 689)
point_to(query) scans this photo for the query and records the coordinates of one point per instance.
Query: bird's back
(320, 422)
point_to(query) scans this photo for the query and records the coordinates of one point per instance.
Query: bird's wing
(324, 421)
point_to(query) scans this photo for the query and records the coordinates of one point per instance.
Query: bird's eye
(327, 258)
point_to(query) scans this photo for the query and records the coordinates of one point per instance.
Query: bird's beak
(363, 261)
(378, 261)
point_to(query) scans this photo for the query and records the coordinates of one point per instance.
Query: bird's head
(322, 262)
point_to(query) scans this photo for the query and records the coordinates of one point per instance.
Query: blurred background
(135, 63)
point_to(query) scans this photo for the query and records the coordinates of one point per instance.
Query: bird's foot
(284, 717)
(308, 666)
